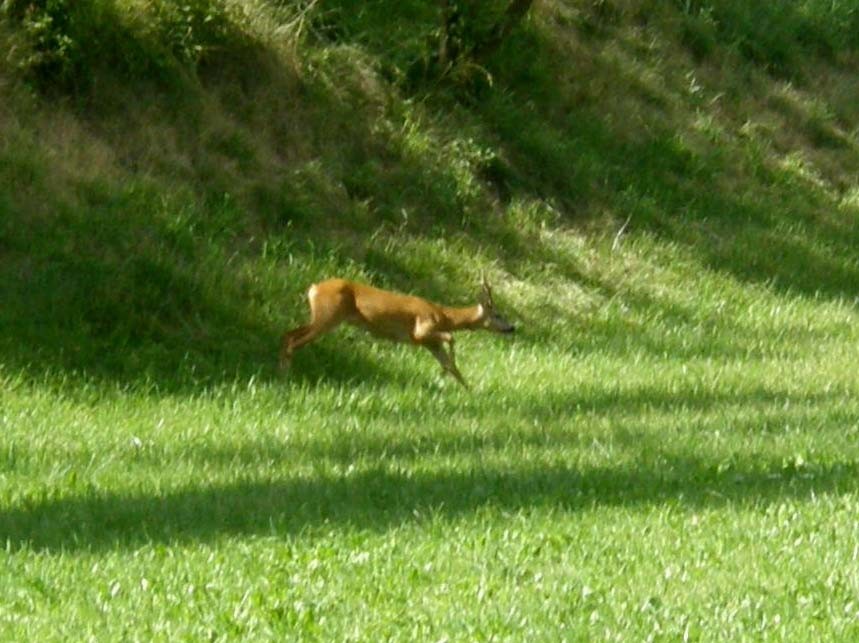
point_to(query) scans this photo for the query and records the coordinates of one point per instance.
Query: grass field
(683, 467)
(668, 447)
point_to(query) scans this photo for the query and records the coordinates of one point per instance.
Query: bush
(66, 44)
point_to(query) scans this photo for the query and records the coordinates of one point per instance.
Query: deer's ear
(485, 289)
(485, 298)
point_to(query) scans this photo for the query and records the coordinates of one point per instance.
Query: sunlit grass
(670, 474)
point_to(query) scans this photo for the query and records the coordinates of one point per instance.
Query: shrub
(66, 44)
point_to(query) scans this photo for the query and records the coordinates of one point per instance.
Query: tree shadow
(378, 495)
(777, 230)
(380, 498)
(102, 285)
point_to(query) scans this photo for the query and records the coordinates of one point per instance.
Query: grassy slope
(667, 448)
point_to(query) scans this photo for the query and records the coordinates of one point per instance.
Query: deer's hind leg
(286, 346)
(325, 315)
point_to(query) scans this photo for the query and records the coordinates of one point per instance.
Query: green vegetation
(664, 195)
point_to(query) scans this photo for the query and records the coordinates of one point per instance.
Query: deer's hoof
(284, 365)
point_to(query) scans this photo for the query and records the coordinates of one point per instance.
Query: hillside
(665, 198)
(172, 179)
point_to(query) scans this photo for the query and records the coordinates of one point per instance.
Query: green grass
(683, 466)
(667, 207)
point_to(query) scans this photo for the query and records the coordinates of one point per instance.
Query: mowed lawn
(676, 460)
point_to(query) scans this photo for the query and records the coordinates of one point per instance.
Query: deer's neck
(468, 318)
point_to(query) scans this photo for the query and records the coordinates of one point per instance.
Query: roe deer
(394, 316)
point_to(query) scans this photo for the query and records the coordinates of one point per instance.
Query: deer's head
(491, 319)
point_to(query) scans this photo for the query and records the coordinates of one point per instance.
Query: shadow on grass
(106, 289)
(733, 202)
(377, 496)
(380, 498)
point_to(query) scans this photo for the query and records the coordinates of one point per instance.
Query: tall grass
(776, 35)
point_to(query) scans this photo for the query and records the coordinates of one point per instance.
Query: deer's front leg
(426, 335)
(446, 360)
